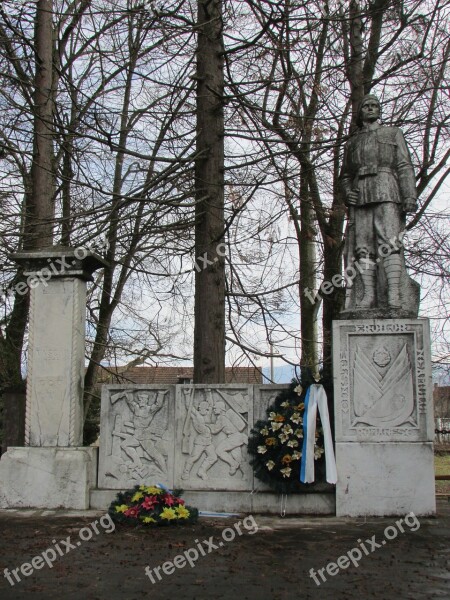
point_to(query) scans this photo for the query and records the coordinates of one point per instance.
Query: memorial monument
(381, 350)
(54, 469)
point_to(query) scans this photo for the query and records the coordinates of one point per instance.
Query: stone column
(53, 469)
(384, 417)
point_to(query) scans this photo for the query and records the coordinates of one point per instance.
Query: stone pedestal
(53, 470)
(383, 417)
(47, 477)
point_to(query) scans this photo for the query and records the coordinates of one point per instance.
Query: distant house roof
(173, 375)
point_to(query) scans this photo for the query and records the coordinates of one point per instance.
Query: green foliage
(275, 444)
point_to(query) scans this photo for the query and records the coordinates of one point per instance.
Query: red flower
(132, 512)
(178, 500)
(149, 502)
(168, 499)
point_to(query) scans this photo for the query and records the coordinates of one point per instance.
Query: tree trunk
(209, 330)
(41, 209)
(307, 251)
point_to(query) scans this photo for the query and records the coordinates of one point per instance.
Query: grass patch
(442, 467)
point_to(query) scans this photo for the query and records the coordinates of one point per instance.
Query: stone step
(322, 503)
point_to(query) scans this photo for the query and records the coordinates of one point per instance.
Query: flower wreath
(275, 444)
(151, 506)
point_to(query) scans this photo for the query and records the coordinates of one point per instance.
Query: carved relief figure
(233, 425)
(202, 443)
(142, 437)
(383, 396)
(209, 437)
(379, 188)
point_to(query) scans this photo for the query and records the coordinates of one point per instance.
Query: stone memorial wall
(191, 437)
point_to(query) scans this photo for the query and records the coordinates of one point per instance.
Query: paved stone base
(384, 479)
(242, 502)
(47, 477)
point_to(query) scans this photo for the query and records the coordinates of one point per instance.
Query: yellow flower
(182, 512)
(149, 520)
(152, 490)
(137, 496)
(168, 514)
(271, 441)
(287, 458)
(122, 508)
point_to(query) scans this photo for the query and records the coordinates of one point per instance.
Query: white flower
(283, 437)
(296, 455)
(287, 429)
(298, 432)
(264, 431)
(286, 471)
(270, 465)
(296, 418)
(292, 443)
(285, 404)
(262, 449)
(276, 426)
(318, 452)
(298, 390)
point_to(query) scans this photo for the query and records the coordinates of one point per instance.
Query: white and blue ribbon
(316, 398)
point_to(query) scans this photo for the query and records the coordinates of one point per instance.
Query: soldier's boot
(368, 276)
(186, 472)
(393, 269)
(206, 465)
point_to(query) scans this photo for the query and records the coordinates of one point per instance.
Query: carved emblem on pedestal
(383, 388)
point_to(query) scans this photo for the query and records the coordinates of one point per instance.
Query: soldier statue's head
(368, 99)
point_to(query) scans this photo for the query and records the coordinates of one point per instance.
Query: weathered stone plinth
(383, 417)
(53, 470)
(47, 477)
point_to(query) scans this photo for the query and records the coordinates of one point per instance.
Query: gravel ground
(271, 558)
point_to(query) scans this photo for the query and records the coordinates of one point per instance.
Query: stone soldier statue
(379, 187)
